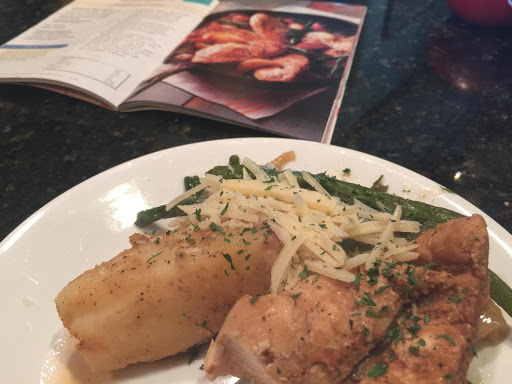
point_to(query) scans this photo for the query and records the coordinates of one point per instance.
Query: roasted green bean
(428, 215)
(501, 293)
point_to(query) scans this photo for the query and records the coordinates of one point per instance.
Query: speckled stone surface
(426, 91)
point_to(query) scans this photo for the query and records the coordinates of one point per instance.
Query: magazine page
(274, 67)
(103, 47)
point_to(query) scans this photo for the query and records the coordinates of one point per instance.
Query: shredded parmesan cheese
(311, 224)
(282, 263)
(255, 169)
(338, 274)
(290, 177)
(315, 184)
(182, 197)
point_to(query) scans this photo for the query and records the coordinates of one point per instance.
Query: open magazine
(273, 66)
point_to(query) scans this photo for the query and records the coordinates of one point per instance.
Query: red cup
(491, 13)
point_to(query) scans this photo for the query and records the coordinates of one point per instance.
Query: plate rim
(148, 156)
(166, 154)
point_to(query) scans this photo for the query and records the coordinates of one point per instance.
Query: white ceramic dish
(91, 223)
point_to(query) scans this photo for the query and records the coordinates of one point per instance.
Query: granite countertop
(426, 91)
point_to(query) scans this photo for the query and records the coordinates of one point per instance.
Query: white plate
(91, 223)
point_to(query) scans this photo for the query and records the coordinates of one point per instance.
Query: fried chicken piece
(237, 52)
(269, 27)
(319, 37)
(291, 66)
(252, 64)
(458, 246)
(342, 46)
(165, 294)
(213, 26)
(234, 35)
(285, 338)
(314, 333)
(439, 337)
(337, 44)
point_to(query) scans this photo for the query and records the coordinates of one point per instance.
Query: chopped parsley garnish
(395, 335)
(305, 272)
(381, 289)
(197, 213)
(426, 318)
(346, 170)
(387, 271)
(455, 299)
(155, 255)
(193, 356)
(365, 331)
(372, 314)
(414, 328)
(426, 267)
(247, 257)
(229, 259)
(410, 275)
(215, 228)
(450, 339)
(253, 299)
(190, 240)
(373, 274)
(448, 377)
(157, 241)
(357, 280)
(294, 296)
(366, 301)
(405, 291)
(378, 370)
(224, 209)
